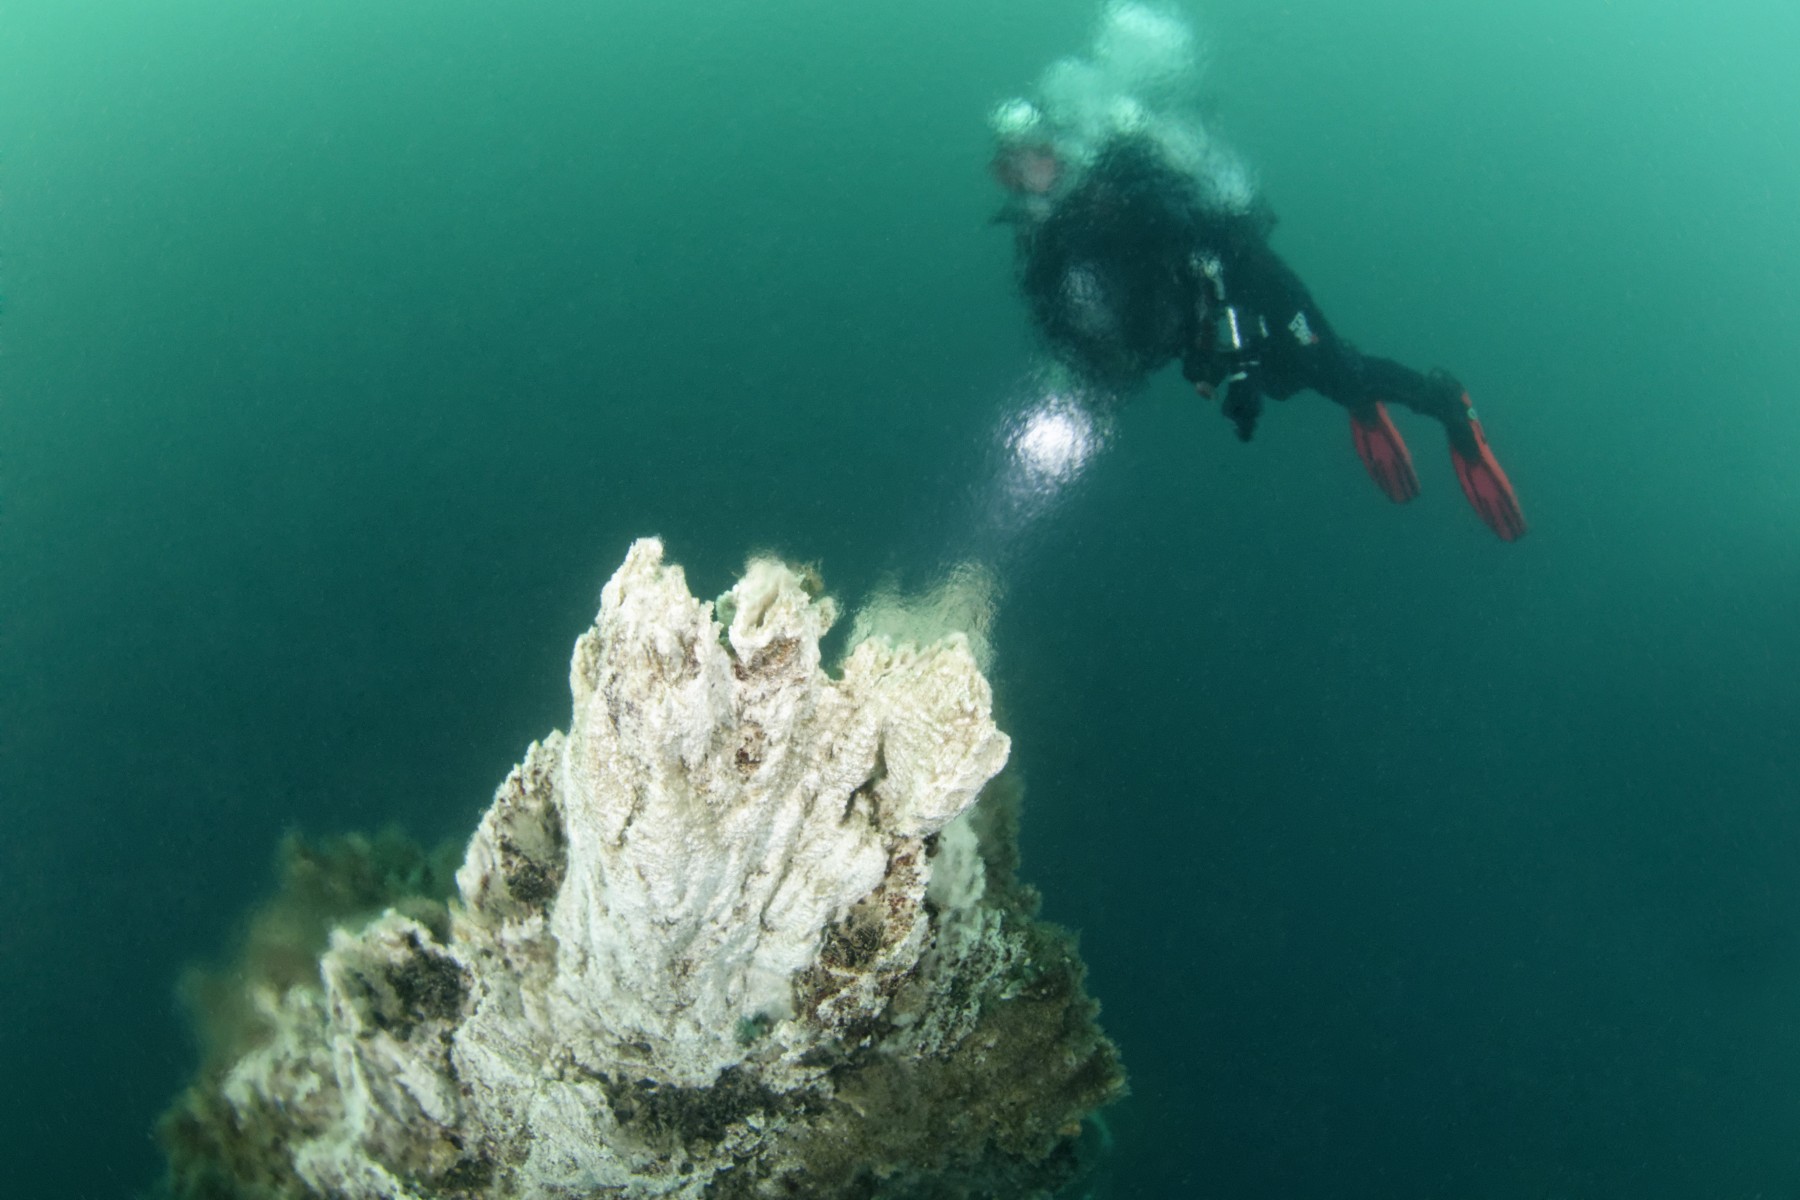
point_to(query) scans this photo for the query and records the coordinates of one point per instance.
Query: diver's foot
(1490, 493)
(1383, 452)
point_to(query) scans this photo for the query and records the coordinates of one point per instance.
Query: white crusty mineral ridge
(726, 803)
(737, 908)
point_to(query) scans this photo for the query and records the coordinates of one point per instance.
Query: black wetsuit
(1130, 270)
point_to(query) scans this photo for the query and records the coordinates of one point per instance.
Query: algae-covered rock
(743, 931)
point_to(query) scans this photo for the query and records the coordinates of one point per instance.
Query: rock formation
(742, 931)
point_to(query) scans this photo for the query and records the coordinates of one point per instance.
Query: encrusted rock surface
(742, 931)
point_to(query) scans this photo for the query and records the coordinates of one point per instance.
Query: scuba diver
(1142, 241)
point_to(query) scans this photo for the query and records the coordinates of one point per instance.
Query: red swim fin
(1484, 483)
(1383, 452)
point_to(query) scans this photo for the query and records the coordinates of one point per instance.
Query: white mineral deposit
(744, 930)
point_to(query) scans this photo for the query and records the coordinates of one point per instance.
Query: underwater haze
(346, 346)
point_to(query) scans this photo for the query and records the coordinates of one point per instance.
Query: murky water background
(347, 346)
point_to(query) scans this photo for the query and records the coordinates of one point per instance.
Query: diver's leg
(1440, 396)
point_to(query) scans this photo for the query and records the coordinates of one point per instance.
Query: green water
(346, 346)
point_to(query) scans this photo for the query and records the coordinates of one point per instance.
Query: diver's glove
(1490, 493)
(1239, 393)
(1242, 406)
(1383, 451)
